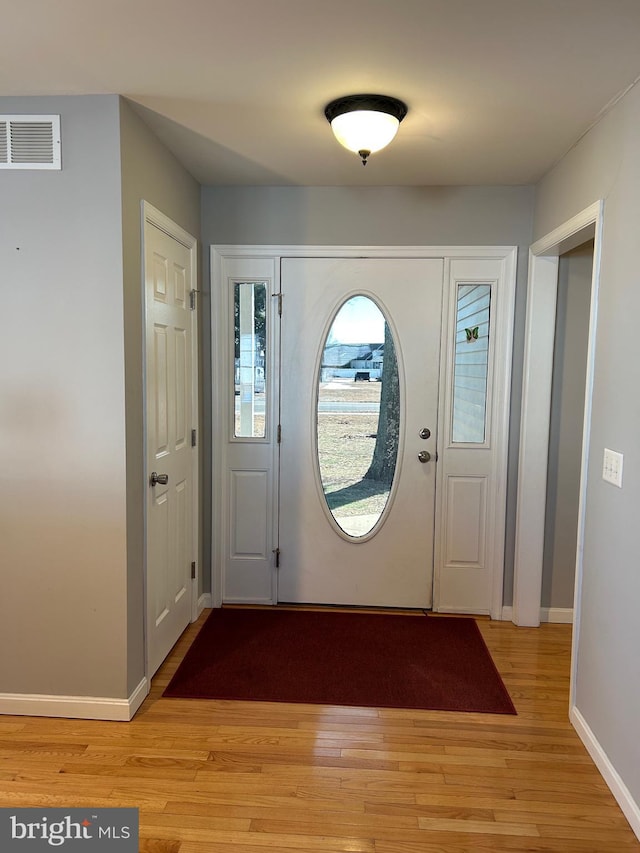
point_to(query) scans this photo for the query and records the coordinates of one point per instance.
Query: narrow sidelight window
(250, 344)
(471, 363)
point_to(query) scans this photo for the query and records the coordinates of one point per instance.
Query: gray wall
(71, 410)
(150, 173)
(606, 164)
(566, 426)
(62, 440)
(430, 216)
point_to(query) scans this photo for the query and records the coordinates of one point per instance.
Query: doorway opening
(544, 265)
(575, 273)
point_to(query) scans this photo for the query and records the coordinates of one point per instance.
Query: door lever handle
(158, 479)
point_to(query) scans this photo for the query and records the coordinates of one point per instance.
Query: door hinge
(193, 571)
(279, 295)
(194, 437)
(279, 434)
(276, 551)
(192, 299)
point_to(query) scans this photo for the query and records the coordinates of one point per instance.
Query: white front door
(323, 557)
(275, 537)
(169, 401)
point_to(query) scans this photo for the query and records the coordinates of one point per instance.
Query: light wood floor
(238, 777)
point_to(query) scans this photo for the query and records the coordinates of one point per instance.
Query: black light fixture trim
(378, 103)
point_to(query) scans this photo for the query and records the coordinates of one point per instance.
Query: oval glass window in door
(358, 416)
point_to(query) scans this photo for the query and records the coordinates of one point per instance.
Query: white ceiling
(498, 90)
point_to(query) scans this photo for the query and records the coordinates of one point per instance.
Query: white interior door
(320, 562)
(169, 448)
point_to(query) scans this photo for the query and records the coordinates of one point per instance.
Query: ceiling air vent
(30, 142)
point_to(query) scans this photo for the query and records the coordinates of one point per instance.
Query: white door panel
(247, 437)
(473, 437)
(169, 452)
(394, 566)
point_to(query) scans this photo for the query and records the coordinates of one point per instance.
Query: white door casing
(171, 414)
(393, 567)
(255, 579)
(536, 406)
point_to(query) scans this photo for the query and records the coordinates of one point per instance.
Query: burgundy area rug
(338, 658)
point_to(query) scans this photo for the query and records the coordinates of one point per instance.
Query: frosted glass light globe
(365, 123)
(365, 130)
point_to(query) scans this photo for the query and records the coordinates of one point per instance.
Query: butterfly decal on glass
(472, 334)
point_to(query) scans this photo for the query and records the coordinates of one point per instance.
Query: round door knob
(424, 456)
(159, 479)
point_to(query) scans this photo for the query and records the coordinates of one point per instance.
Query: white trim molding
(630, 808)
(558, 615)
(155, 217)
(204, 603)
(78, 707)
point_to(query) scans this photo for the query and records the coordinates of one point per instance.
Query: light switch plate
(612, 467)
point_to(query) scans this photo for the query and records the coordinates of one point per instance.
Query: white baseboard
(460, 611)
(79, 707)
(138, 696)
(630, 808)
(562, 615)
(204, 602)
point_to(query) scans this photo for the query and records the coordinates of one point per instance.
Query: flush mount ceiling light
(365, 123)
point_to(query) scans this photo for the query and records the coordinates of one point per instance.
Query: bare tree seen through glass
(383, 463)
